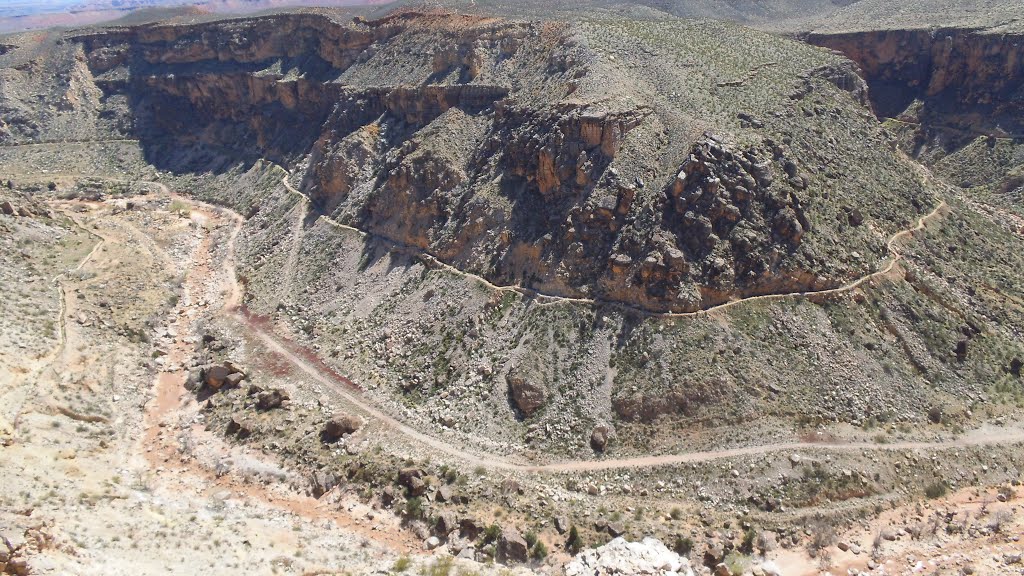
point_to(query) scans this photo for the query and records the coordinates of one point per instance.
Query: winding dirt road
(981, 437)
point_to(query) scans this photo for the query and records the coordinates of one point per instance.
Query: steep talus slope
(526, 153)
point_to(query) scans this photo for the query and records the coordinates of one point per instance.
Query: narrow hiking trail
(231, 299)
(892, 245)
(298, 357)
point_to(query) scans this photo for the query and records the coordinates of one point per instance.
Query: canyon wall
(965, 79)
(503, 148)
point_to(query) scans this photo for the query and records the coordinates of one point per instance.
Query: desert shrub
(747, 545)
(491, 533)
(414, 507)
(936, 489)
(999, 520)
(442, 567)
(683, 545)
(401, 565)
(823, 534)
(574, 543)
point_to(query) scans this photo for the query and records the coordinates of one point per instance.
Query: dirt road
(980, 437)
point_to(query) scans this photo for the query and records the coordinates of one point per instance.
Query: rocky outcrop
(526, 393)
(271, 399)
(339, 426)
(620, 557)
(512, 548)
(686, 399)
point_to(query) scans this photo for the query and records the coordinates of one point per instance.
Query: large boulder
(412, 479)
(271, 399)
(234, 380)
(599, 437)
(238, 427)
(194, 379)
(339, 426)
(526, 393)
(216, 376)
(622, 558)
(446, 523)
(470, 528)
(512, 546)
(322, 482)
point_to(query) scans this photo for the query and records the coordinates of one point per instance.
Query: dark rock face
(957, 73)
(729, 217)
(512, 547)
(527, 395)
(340, 425)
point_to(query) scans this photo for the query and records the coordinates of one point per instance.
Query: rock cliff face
(966, 79)
(500, 147)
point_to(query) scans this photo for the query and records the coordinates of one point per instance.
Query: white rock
(622, 558)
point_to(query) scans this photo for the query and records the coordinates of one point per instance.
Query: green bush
(401, 565)
(414, 507)
(491, 533)
(936, 489)
(747, 546)
(574, 543)
(683, 545)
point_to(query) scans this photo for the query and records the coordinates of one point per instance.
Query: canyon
(435, 285)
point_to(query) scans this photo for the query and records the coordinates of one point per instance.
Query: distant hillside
(20, 15)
